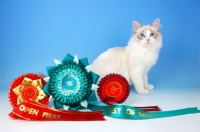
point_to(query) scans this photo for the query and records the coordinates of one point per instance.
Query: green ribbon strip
(129, 112)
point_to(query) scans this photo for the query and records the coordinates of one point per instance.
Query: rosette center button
(113, 89)
(69, 83)
(29, 92)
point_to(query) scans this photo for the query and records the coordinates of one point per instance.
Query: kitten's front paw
(143, 91)
(149, 87)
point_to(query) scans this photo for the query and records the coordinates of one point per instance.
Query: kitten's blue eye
(142, 35)
(152, 34)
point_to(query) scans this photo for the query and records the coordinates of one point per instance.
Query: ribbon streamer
(149, 108)
(129, 112)
(34, 111)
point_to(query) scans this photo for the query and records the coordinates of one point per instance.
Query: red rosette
(27, 92)
(113, 88)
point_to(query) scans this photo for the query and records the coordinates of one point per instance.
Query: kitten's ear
(156, 23)
(136, 25)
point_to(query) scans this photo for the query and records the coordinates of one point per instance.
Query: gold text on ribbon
(31, 111)
(49, 115)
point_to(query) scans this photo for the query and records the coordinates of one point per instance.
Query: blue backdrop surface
(33, 33)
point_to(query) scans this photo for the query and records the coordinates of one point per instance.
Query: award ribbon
(70, 83)
(129, 112)
(28, 86)
(113, 88)
(28, 110)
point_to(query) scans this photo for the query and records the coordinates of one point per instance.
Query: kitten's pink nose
(148, 39)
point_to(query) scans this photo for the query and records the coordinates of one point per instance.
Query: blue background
(33, 33)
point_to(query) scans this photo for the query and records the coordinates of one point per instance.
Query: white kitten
(135, 60)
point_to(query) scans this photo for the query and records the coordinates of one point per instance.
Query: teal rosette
(71, 83)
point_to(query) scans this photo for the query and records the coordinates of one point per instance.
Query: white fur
(134, 60)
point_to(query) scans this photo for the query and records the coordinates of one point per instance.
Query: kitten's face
(148, 35)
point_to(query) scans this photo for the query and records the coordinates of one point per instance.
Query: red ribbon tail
(35, 111)
(149, 108)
